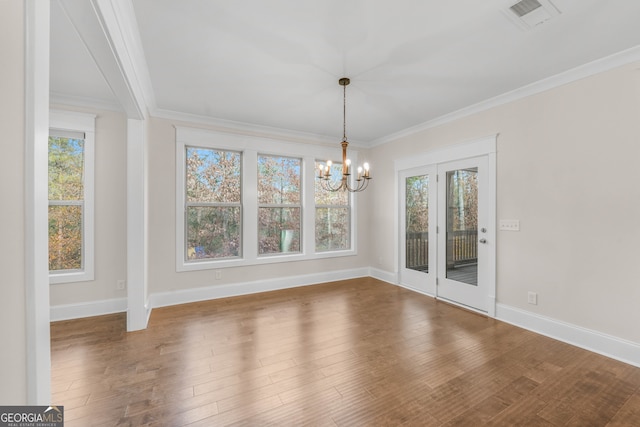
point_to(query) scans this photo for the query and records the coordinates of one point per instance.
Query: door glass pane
(462, 225)
(417, 223)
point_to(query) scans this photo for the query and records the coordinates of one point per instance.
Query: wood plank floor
(352, 353)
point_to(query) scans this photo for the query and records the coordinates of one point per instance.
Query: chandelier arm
(326, 185)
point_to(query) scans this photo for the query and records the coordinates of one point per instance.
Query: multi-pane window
(244, 201)
(279, 204)
(66, 201)
(333, 215)
(213, 204)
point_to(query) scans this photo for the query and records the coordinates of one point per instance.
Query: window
(71, 176)
(333, 215)
(238, 204)
(213, 204)
(279, 204)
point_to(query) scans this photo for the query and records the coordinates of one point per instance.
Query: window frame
(283, 205)
(251, 147)
(75, 122)
(348, 207)
(238, 205)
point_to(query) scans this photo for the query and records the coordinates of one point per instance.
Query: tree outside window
(213, 204)
(279, 204)
(333, 215)
(66, 203)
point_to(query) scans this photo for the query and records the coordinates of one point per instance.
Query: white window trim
(285, 205)
(350, 207)
(250, 146)
(80, 122)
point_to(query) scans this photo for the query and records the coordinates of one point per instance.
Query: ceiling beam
(108, 29)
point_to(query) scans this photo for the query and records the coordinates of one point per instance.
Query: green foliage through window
(333, 215)
(279, 201)
(213, 210)
(66, 207)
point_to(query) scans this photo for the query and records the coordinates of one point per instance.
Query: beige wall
(13, 388)
(567, 166)
(110, 214)
(566, 170)
(162, 229)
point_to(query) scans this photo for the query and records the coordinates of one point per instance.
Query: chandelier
(324, 171)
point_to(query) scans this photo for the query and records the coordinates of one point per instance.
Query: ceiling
(277, 63)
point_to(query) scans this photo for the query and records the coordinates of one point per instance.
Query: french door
(446, 237)
(418, 194)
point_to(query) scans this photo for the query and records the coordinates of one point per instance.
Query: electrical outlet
(509, 224)
(218, 274)
(532, 298)
(120, 284)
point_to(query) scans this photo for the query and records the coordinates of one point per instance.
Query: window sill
(70, 277)
(261, 260)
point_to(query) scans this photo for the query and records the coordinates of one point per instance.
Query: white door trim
(36, 78)
(485, 146)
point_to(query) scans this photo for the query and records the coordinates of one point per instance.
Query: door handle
(483, 240)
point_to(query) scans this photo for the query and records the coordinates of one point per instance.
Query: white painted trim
(87, 309)
(464, 150)
(36, 236)
(57, 98)
(99, 27)
(82, 122)
(480, 147)
(607, 345)
(492, 234)
(597, 342)
(385, 276)
(164, 299)
(137, 246)
(249, 129)
(122, 24)
(250, 146)
(599, 66)
(235, 141)
(72, 120)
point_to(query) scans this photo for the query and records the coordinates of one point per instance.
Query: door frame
(485, 146)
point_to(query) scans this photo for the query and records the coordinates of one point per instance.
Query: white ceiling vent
(527, 14)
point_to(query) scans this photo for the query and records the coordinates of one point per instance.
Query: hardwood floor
(357, 352)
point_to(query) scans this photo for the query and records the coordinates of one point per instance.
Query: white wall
(568, 170)
(110, 215)
(162, 229)
(13, 386)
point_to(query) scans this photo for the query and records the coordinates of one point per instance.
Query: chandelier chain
(344, 112)
(324, 173)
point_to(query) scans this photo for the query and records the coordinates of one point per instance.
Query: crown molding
(56, 98)
(592, 68)
(224, 125)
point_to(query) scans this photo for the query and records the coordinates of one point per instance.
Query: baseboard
(597, 342)
(383, 275)
(87, 309)
(164, 299)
